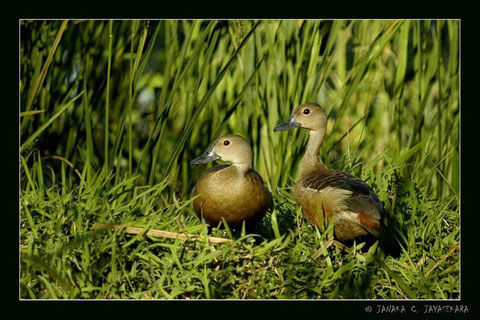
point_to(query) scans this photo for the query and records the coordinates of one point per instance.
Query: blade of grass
(42, 128)
(43, 73)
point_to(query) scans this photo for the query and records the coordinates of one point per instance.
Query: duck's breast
(321, 206)
(221, 193)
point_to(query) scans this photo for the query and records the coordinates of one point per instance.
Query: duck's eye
(306, 111)
(226, 143)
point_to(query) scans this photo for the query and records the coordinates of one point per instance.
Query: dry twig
(162, 233)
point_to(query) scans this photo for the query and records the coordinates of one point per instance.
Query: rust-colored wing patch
(369, 222)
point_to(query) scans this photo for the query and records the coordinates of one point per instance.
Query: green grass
(113, 111)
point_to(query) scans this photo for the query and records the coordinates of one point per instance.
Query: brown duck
(330, 196)
(233, 192)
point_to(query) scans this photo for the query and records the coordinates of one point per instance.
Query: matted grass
(113, 111)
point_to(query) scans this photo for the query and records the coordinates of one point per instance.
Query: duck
(331, 196)
(233, 192)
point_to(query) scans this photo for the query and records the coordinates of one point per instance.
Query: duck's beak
(207, 156)
(289, 124)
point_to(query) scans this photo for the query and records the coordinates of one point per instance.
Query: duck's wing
(361, 198)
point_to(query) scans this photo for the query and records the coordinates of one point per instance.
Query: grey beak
(289, 124)
(207, 156)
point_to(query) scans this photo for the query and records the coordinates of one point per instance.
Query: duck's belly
(231, 204)
(325, 206)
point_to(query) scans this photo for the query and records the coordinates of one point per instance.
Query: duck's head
(230, 148)
(309, 116)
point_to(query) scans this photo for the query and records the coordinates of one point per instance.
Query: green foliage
(113, 111)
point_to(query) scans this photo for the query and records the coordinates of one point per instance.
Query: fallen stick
(162, 233)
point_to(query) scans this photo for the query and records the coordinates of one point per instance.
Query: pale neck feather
(242, 168)
(311, 160)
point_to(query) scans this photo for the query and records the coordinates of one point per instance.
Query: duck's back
(340, 197)
(222, 193)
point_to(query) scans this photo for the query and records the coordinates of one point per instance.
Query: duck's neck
(311, 160)
(242, 168)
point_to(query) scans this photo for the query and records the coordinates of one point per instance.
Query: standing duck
(331, 196)
(233, 192)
